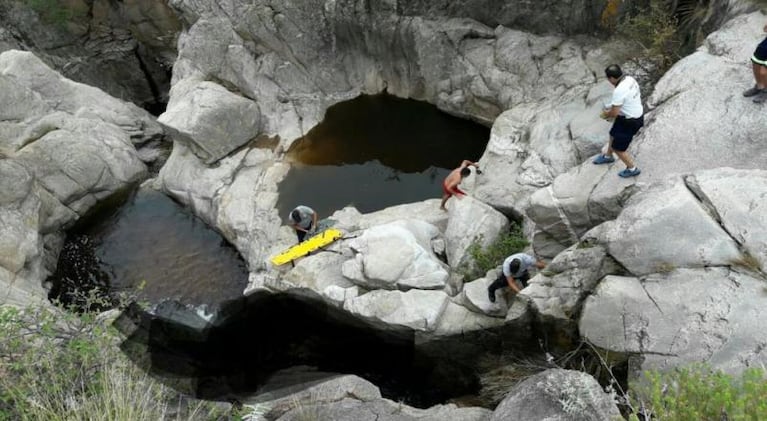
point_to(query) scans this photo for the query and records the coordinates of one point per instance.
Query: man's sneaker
(603, 159)
(491, 295)
(761, 97)
(754, 90)
(629, 173)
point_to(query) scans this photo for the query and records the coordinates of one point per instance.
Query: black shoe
(491, 295)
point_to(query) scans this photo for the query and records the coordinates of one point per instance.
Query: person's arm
(512, 284)
(611, 113)
(540, 264)
(314, 221)
(467, 163)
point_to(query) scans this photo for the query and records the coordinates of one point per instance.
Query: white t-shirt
(626, 95)
(525, 262)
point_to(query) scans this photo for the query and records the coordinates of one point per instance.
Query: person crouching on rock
(759, 67)
(450, 185)
(515, 268)
(303, 219)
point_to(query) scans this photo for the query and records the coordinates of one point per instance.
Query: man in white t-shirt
(628, 114)
(515, 268)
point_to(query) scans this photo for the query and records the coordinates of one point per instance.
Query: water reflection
(152, 244)
(377, 151)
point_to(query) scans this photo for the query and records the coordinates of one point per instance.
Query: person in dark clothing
(303, 219)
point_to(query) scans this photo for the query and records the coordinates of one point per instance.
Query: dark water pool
(145, 242)
(377, 151)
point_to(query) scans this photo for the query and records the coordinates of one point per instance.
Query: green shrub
(56, 12)
(700, 393)
(653, 31)
(486, 258)
(61, 365)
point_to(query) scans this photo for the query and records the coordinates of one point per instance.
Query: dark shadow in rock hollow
(254, 337)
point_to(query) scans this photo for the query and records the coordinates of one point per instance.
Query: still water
(147, 243)
(377, 151)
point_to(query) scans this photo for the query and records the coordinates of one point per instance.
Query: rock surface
(64, 147)
(125, 48)
(557, 395)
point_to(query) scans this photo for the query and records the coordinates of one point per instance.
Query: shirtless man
(450, 185)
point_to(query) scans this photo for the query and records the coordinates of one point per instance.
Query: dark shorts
(624, 130)
(760, 54)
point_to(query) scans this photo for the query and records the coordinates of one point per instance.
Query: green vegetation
(654, 32)
(486, 258)
(700, 393)
(57, 12)
(61, 365)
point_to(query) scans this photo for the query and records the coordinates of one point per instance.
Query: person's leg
(444, 200)
(626, 158)
(760, 74)
(500, 282)
(300, 234)
(606, 157)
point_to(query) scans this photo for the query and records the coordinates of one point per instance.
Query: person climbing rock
(759, 67)
(626, 112)
(450, 185)
(515, 268)
(303, 219)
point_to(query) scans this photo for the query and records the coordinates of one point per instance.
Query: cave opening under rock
(235, 353)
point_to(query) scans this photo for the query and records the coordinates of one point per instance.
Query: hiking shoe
(603, 159)
(491, 295)
(761, 97)
(629, 173)
(754, 90)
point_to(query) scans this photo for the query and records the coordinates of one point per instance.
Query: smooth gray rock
(667, 227)
(383, 410)
(212, 121)
(391, 257)
(558, 291)
(417, 309)
(301, 387)
(471, 220)
(737, 200)
(60, 94)
(681, 317)
(558, 395)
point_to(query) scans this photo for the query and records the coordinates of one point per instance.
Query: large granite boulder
(685, 316)
(692, 249)
(64, 147)
(396, 256)
(417, 309)
(471, 221)
(212, 121)
(461, 65)
(41, 90)
(300, 394)
(722, 131)
(558, 395)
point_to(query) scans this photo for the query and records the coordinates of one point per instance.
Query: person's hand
(605, 115)
(765, 28)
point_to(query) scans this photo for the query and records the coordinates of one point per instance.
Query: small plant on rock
(492, 256)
